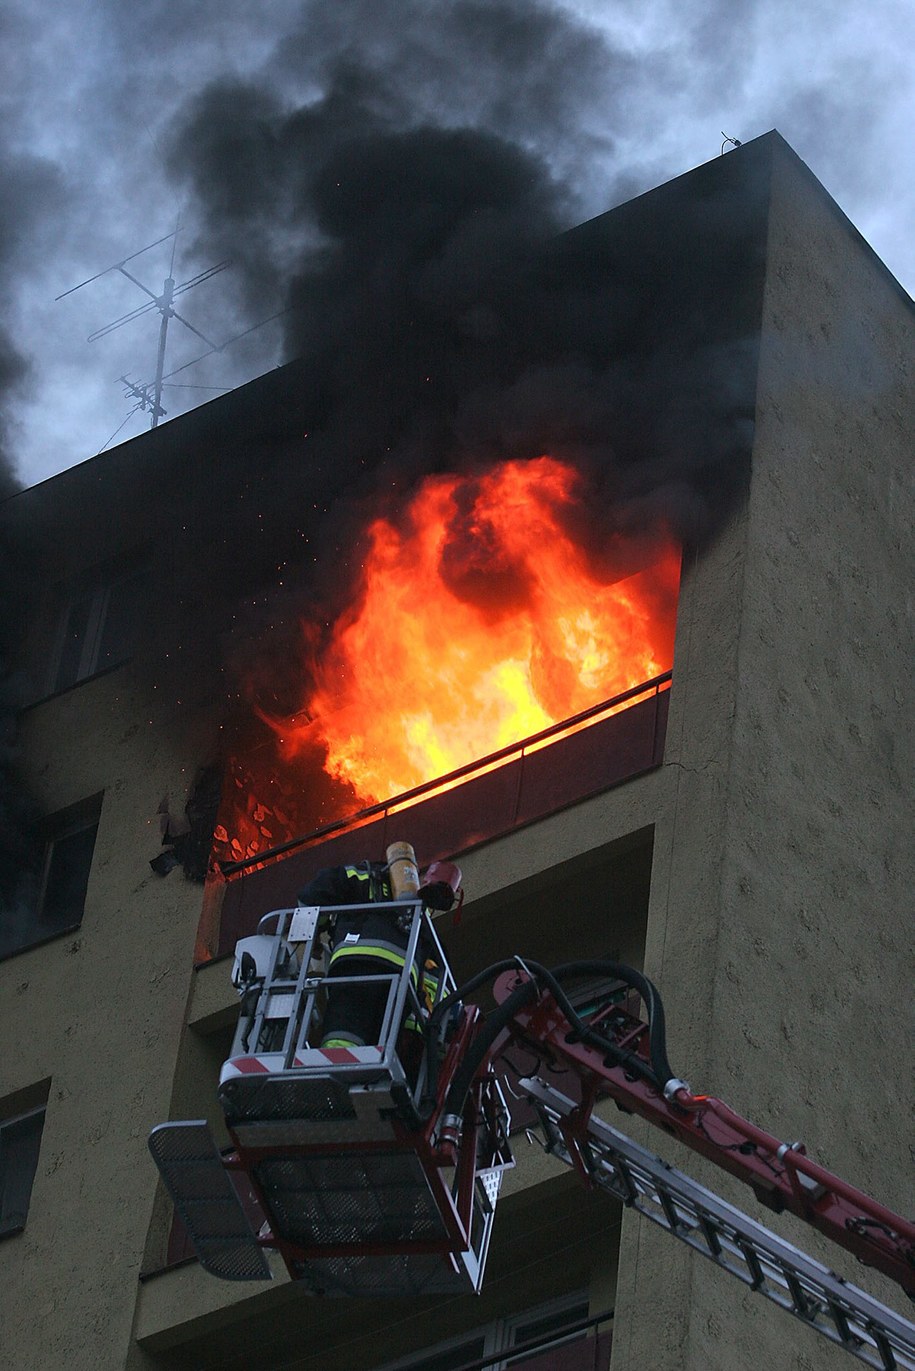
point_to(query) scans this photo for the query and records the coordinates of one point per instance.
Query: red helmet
(440, 885)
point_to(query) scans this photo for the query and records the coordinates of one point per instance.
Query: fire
(479, 620)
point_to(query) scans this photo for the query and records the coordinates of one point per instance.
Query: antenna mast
(150, 396)
(165, 309)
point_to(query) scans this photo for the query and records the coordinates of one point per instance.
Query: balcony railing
(599, 748)
(584, 1346)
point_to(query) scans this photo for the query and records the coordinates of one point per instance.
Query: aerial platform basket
(338, 1145)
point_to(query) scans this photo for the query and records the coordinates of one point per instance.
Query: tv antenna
(149, 396)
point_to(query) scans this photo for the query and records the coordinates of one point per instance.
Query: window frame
(499, 1337)
(97, 585)
(55, 828)
(17, 1112)
(80, 819)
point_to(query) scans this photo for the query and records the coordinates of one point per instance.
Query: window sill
(68, 690)
(39, 942)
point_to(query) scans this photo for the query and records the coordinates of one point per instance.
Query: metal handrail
(383, 806)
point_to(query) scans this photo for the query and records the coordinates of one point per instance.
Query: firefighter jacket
(377, 934)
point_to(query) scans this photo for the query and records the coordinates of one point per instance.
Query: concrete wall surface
(780, 924)
(99, 1011)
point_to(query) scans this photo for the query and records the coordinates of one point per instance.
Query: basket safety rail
(333, 1145)
(280, 975)
(841, 1312)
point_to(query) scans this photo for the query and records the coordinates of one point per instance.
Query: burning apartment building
(602, 592)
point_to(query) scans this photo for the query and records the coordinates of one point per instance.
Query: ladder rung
(883, 1347)
(749, 1255)
(670, 1210)
(710, 1233)
(625, 1176)
(802, 1304)
(841, 1322)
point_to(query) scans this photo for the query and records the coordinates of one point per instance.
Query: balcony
(612, 742)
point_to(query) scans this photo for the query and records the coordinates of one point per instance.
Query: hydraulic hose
(479, 1049)
(657, 1030)
(591, 1036)
(488, 973)
(657, 1074)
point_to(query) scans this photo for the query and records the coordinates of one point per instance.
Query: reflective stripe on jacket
(365, 946)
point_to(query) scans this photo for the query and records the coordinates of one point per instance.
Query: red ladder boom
(717, 1230)
(780, 1173)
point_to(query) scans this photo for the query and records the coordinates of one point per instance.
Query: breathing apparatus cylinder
(403, 871)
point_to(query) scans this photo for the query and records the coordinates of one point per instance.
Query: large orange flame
(479, 620)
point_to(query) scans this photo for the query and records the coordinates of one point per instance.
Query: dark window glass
(548, 1348)
(99, 624)
(20, 1140)
(116, 634)
(550, 1323)
(51, 900)
(74, 644)
(69, 861)
(573, 1355)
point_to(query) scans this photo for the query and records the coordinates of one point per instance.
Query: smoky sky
(609, 100)
(31, 192)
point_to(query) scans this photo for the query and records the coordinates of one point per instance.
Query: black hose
(479, 1048)
(657, 1074)
(488, 973)
(657, 1031)
(591, 1037)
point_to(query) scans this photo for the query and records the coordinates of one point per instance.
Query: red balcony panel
(460, 818)
(585, 1354)
(593, 759)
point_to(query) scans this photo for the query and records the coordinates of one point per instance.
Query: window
(53, 902)
(97, 622)
(556, 1337)
(21, 1122)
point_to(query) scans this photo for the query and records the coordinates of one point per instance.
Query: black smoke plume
(409, 213)
(30, 189)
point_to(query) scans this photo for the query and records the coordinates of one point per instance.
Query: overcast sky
(105, 107)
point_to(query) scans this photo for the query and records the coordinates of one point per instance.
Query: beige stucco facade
(777, 926)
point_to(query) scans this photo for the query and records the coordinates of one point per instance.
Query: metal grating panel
(203, 1195)
(284, 1097)
(232, 1259)
(342, 1198)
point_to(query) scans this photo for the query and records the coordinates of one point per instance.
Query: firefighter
(373, 942)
